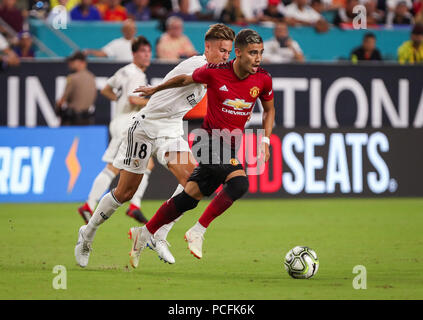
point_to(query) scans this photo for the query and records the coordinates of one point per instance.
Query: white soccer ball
(301, 262)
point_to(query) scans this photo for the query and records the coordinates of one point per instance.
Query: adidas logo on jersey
(223, 88)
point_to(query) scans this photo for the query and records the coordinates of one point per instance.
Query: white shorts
(117, 128)
(137, 148)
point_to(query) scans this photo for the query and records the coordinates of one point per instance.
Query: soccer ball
(301, 262)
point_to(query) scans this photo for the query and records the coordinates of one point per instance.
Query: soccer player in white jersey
(157, 131)
(120, 88)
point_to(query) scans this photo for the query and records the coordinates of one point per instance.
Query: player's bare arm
(108, 92)
(175, 82)
(268, 122)
(137, 102)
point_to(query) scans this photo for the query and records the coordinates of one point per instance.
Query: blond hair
(219, 31)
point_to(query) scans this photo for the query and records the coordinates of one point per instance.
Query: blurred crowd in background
(16, 42)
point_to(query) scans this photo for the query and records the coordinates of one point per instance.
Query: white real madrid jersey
(162, 116)
(125, 81)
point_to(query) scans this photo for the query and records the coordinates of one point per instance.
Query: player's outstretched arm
(107, 91)
(175, 82)
(268, 122)
(137, 102)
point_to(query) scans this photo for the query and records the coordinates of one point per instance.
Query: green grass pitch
(243, 252)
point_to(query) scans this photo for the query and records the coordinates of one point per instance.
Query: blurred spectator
(75, 107)
(11, 14)
(173, 44)
(345, 15)
(112, 11)
(392, 4)
(281, 48)
(57, 11)
(183, 11)
(411, 51)
(374, 15)
(367, 51)
(418, 11)
(318, 6)
(391, 7)
(85, 12)
(299, 13)
(232, 13)
(271, 13)
(7, 56)
(160, 8)
(138, 10)
(400, 15)
(251, 9)
(333, 4)
(121, 48)
(194, 6)
(417, 7)
(69, 4)
(24, 48)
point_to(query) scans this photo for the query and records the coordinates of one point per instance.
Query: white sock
(100, 185)
(106, 207)
(139, 194)
(178, 190)
(163, 231)
(199, 228)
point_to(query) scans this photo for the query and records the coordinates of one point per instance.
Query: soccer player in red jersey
(232, 90)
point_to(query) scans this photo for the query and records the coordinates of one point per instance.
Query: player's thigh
(192, 189)
(112, 168)
(181, 164)
(112, 149)
(205, 179)
(150, 165)
(237, 173)
(117, 129)
(134, 152)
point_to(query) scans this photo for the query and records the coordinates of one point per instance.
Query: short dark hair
(139, 42)
(219, 31)
(77, 55)
(246, 37)
(369, 35)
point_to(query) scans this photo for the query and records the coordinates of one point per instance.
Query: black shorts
(215, 165)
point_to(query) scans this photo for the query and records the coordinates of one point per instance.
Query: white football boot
(140, 237)
(195, 242)
(161, 246)
(82, 249)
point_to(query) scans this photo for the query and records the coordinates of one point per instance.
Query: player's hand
(145, 91)
(264, 152)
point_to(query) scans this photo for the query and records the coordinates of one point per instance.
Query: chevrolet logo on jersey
(237, 104)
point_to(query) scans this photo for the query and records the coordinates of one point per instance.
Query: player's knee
(237, 187)
(184, 202)
(124, 195)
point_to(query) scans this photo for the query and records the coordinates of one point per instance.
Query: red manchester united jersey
(231, 100)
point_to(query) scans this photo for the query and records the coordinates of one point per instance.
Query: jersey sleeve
(202, 75)
(113, 81)
(109, 49)
(267, 93)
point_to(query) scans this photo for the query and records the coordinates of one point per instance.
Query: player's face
(142, 57)
(250, 57)
(218, 51)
